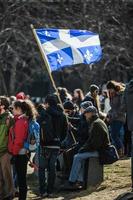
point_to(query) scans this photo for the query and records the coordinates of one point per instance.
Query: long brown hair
(27, 108)
(117, 86)
(80, 94)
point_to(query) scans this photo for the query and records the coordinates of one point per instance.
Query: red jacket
(18, 134)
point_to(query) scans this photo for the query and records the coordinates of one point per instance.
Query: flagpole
(44, 57)
(46, 63)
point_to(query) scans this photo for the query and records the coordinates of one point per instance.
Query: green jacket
(98, 136)
(6, 121)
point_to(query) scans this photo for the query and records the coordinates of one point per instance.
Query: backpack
(46, 130)
(33, 139)
(108, 155)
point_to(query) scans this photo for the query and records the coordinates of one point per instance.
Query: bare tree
(19, 56)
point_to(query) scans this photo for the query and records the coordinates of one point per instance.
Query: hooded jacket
(18, 135)
(128, 104)
(82, 133)
(53, 126)
(6, 120)
(98, 136)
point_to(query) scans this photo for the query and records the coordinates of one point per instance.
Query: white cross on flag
(69, 47)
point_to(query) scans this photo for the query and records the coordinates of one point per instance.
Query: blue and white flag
(69, 47)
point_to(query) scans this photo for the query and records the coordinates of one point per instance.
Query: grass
(117, 180)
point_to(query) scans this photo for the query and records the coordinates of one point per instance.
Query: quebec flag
(69, 47)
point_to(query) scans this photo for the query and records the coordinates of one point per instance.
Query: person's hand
(81, 150)
(61, 151)
(12, 160)
(70, 126)
(27, 151)
(107, 119)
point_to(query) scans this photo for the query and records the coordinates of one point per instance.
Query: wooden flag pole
(46, 63)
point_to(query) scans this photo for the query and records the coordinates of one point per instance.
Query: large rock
(125, 196)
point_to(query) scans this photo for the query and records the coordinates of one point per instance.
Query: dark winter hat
(93, 88)
(91, 109)
(86, 104)
(68, 105)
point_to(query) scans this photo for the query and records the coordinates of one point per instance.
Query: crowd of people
(75, 130)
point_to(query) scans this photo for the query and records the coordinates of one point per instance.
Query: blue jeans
(77, 170)
(47, 169)
(117, 134)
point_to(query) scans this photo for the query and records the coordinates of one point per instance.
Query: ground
(116, 181)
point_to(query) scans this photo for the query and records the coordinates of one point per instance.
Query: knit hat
(68, 105)
(86, 104)
(91, 109)
(20, 95)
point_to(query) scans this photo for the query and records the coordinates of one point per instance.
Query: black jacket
(74, 120)
(53, 126)
(82, 132)
(98, 136)
(88, 97)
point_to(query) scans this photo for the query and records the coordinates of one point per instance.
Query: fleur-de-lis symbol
(47, 33)
(88, 55)
(59, 59)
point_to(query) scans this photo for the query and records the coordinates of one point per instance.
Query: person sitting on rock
(98, 139)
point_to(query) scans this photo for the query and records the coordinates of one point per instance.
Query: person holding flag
(64, 47)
